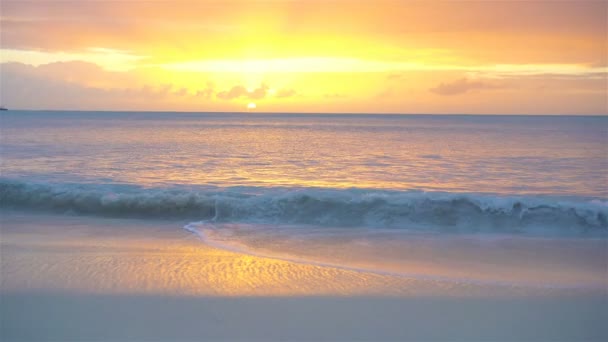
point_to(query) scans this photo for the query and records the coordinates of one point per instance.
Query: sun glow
(251, 106)
(307, 56)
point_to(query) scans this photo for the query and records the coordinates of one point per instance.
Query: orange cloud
(286, 93)
(462, 86)
(207, 92)
(258, 93)
(379, 56)
(500, 32)
(80, 85)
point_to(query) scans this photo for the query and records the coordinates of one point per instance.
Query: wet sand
(83, 278)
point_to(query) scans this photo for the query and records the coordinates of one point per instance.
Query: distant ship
(2, 108)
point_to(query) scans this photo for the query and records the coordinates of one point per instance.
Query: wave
(452, 212)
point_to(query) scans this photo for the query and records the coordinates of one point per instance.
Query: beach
(82, 278)
(303, 170)
(135, 226)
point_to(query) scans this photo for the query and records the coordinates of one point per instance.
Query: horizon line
(294, 113)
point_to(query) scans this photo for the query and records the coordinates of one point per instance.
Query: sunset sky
(511, 57)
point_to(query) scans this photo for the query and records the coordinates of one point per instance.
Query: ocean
(517, 200)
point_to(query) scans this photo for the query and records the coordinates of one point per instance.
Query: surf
(332, 207)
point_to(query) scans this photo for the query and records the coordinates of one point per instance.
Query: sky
(445, 57)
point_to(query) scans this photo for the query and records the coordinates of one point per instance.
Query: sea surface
(519, 200)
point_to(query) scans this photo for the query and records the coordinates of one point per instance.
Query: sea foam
(416, 210)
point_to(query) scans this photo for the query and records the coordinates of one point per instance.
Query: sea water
(509, 199)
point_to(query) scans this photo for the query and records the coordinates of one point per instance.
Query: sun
(251, 105)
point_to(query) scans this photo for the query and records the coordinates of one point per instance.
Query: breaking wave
(434, 211)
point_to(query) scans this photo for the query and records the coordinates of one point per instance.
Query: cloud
(181, 92)
(285, 93)
(234, 93)
(78, 85)
(258, 93)
(74, 25)
(600, 63)
(84, 85)
(75, 71)
(239, 91)
(207, 92)
(462, 86)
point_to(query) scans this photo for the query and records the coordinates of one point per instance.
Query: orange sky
(509, 57)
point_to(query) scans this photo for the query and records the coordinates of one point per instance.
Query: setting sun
(303, 170)
(306, 56)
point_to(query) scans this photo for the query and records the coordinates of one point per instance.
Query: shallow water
(495, 154)
(506, 199)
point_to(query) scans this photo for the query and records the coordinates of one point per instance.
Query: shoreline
(293, 252)
(110, 255)
(83, 278)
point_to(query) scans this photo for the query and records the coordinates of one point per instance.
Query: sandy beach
(303, 170)
(83, 278)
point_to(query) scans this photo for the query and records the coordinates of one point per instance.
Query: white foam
(415, 210)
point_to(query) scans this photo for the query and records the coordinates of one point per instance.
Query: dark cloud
(462, 86)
